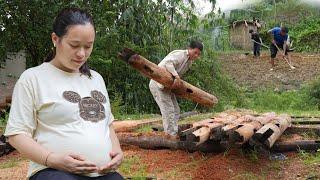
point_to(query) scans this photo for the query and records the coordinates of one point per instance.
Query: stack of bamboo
(238, 128)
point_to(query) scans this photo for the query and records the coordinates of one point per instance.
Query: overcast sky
(204, 6)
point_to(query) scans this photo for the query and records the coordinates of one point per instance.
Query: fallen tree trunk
(162, 76)
(126, 126)
(303, 129)
(309, 121)
(308, 145)
(163, 142)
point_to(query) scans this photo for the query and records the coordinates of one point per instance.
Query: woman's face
(74, 48)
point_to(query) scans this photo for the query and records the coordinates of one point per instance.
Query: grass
(290, 102)
(133, 168)
(144, 129)
(3, 122)
(310, 158)
(10, 163)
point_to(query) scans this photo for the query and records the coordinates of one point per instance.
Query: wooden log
(188, 114)
(149, 141)
(211, 128)
(246, 131)
(183, 135)
(181, 127)
(162, 76)
(270, 132)
(126, 126)
(163, 142)
(303, 129)
(200, 135)
(228, 130)
(306, 121)
(237, 123)
(208, 129)
(308, 145)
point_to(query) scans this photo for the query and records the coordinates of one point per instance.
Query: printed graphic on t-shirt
(91, 108)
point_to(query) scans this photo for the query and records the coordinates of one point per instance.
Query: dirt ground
(254, 73)
(167, 164)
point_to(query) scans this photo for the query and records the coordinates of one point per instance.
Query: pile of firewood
(238, 128)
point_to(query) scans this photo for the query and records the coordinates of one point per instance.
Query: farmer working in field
(279, 38)
(177, 63)
(257, 41)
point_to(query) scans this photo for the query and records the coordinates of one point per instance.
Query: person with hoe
(177, 63)
(60, 116)
(257, 41)
(279, 39)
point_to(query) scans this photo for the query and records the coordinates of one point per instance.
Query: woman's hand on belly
(71, 162)
(116, 159)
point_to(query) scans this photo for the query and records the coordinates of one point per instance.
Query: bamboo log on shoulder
(162, 76)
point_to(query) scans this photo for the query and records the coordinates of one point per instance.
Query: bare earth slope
(255, 73)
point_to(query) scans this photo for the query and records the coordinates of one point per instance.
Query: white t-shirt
(63, 112)
(176, 62)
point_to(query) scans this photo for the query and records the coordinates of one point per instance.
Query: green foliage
(310, 158)
(314, 92)
(4, 119)
(117, 105)
(307, 34)
(10, 163)
(289, 101)
(144, 129)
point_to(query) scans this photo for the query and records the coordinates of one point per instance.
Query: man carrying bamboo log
(177, 63)
(280, 39)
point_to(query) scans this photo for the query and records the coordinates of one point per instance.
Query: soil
(254, 73)
(170, 164)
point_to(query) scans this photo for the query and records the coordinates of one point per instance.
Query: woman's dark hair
(66, 18)
(196, 44)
